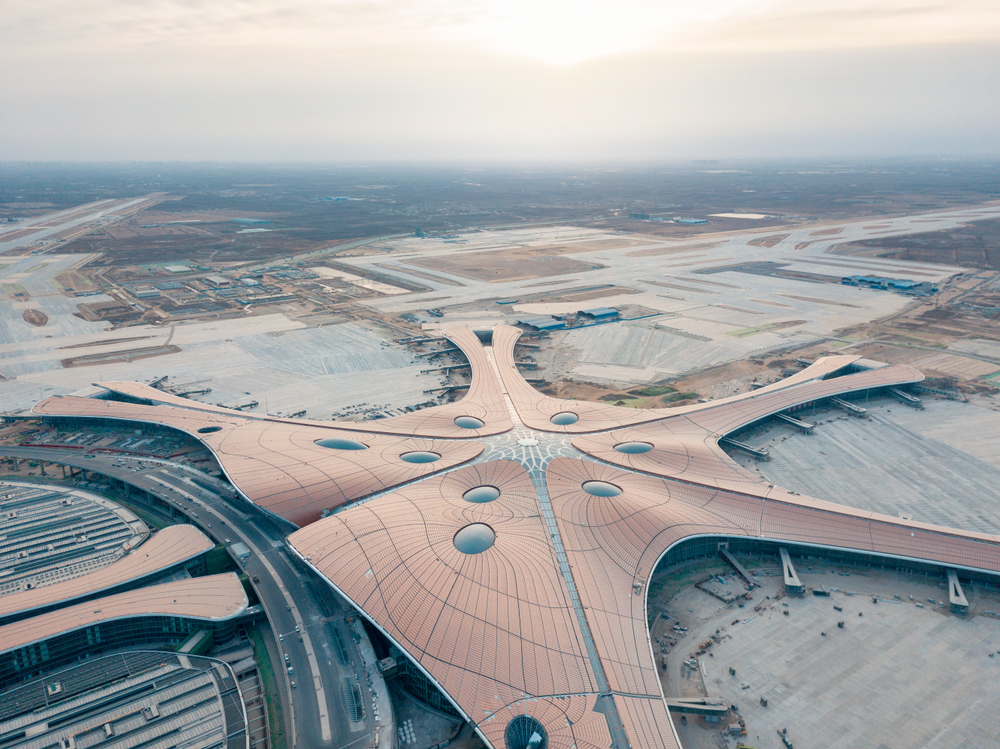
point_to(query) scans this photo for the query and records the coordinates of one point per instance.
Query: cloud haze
(429, 79)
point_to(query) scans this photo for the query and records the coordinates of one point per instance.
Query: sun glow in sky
(520, 78)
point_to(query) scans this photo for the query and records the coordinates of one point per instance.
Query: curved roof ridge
(167, 548)
(210, 598)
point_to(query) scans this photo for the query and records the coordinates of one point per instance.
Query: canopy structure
(512, 567)
(168, 548)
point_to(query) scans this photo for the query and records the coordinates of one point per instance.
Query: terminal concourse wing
(294, 470)
(542, 412)
(495, 629)
(685, 446)
(210, 598)
(484, 401)
(167, 548)
(615, 542)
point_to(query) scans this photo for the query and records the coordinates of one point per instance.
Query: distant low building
(165, 613)
(219, 281)
(903, 285)
(598, 313)
(541, 323)
(146, 292)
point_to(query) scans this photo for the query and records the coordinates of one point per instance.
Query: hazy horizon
(429, 80)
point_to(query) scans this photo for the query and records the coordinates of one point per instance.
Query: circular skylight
(481, 494)
(469, 422)
(565, 418)
(601, 489)
(420, 456)
(631, 448)
(524, 732)
(475, 538)
(340, 443)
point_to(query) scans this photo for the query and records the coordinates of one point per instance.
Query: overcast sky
(322, 80)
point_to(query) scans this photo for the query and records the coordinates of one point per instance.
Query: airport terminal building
(504, 542)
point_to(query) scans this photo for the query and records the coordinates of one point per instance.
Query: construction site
(813, 667)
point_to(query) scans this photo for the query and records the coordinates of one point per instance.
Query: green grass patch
(218, 561)
(655, 401)
(632, 403)
(674, 397)
(651, 391)
(14, 289)
(269, 682)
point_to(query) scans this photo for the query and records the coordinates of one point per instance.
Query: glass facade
(61, 650)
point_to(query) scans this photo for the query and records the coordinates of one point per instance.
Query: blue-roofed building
(541, 323)
(904, 285)
(599, 313)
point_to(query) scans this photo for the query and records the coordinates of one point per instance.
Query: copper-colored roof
(488, 627)
(277, 464)
(614, 543)
(550, 620)
(536, 409)
(484, 401)
(212, 598)
(169, 547)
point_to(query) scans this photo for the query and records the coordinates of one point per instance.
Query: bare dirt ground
(508, 265)
(770, 241)
(127, 355)
(75, 281)
(583, 296)
(975, 245)
(675, 250)
(35, 317)
(819, 301)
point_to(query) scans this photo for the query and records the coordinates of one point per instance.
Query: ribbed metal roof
(545, 621)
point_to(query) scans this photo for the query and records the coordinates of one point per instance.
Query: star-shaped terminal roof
(512, 568)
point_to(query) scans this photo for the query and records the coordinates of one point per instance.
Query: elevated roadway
(314, 711)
